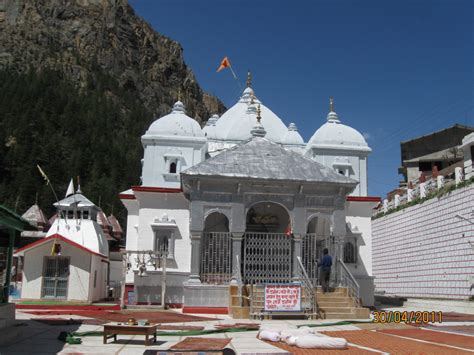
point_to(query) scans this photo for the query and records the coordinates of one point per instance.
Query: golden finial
(179, 94)
(258, 114)
(331, 104)
(252, 97)
(249, 79)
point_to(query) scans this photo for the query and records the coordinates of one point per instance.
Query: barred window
(350, 251)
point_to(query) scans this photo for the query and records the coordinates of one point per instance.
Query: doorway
(55, 277)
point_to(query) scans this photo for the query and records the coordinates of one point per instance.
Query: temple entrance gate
(267, 245)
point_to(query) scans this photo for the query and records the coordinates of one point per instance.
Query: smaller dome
(176, 123)
(335, 135)
(209, 129)
(292, 137)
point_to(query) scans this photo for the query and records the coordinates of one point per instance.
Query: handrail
(238, 277)
(308, 287)
(348, 280)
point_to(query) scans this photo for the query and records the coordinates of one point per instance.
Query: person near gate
(325, 264)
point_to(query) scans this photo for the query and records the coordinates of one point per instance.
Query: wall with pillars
(424, 251)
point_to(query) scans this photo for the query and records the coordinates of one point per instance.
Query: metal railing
(348, 280)
(309, 302)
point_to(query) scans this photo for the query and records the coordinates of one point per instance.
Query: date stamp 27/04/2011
(417, 317)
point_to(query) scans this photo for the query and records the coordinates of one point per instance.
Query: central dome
(237, 122)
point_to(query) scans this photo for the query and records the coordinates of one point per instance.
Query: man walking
(325, 265)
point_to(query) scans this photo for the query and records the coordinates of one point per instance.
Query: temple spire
(179, 94)
(331, 104)
(259, 112)
(258, 130)
(249, 79)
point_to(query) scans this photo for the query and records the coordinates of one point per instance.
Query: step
(337, 309)
(237, 312)
(333, 299)
(345, 303)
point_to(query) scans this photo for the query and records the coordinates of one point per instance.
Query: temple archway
(317, 237)
(268, 217)
(216, 250)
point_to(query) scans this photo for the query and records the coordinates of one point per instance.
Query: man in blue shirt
(325, 265)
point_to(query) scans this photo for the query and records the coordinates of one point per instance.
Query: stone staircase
(338, 305)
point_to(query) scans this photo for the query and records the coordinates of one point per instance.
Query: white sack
(269, 335)
(294, 332)
(315, 342)
(290, 340)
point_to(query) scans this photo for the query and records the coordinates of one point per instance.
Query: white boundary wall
(424, 251)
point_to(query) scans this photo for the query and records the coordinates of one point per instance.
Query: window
(350, 251)
(173, 168)
(85, 214)
(164, 243)
(70, 214)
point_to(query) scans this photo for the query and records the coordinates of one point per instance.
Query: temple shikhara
(244, 202)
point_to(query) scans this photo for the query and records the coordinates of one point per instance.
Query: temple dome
(176, 123)
(237, 122)
(292, 137)
(209, 129)
(335, 135)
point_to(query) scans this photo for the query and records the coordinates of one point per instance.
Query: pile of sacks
(303, 337)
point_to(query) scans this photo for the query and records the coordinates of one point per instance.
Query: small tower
(172, 143)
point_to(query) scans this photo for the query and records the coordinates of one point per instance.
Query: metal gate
(267, 258)
(55, 277)
(216, 258)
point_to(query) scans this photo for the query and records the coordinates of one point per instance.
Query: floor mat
(178, 327)
(461, 329)
(255, 326)
(201, 344)
(123, 316)
(299, 351)
(391, 344)
(461, 341)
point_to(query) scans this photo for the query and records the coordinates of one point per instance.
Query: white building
(71, 262)
(204, 222)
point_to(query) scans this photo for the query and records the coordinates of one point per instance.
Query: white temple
(196, 203)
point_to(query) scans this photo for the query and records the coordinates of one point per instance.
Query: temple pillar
(195, 257)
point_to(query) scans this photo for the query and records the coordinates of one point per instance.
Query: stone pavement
(39, 338)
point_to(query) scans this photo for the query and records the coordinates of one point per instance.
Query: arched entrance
(318, 237)
(216, 250)
(268, 246)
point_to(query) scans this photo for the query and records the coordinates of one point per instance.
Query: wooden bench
(111, 330)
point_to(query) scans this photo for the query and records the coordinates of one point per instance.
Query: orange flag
(224, 64)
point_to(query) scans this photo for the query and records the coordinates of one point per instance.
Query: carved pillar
(297, 252)
(236, 251)
(195, 258)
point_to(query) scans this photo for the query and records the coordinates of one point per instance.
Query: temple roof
(35, 216)
(77, 199)
(259, 158)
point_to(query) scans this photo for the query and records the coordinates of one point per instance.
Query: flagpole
(236, 79)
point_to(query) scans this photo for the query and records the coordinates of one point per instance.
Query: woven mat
(179, 327)
(70, 321)
(255, 326)
(201, 344)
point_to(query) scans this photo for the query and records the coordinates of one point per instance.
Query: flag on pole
(43, 174)
(224, 64)
(70, 189)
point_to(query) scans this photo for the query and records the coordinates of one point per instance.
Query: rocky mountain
(82, 37)
(80, 81)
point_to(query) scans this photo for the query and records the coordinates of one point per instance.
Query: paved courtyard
(40, 337)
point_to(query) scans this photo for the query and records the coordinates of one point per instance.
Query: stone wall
(424, 251)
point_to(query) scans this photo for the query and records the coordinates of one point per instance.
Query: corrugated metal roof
(260, 158)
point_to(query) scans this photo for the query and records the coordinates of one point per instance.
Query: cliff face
(80, 82)
(85, 39)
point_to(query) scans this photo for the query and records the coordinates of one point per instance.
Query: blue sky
(396, 69)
